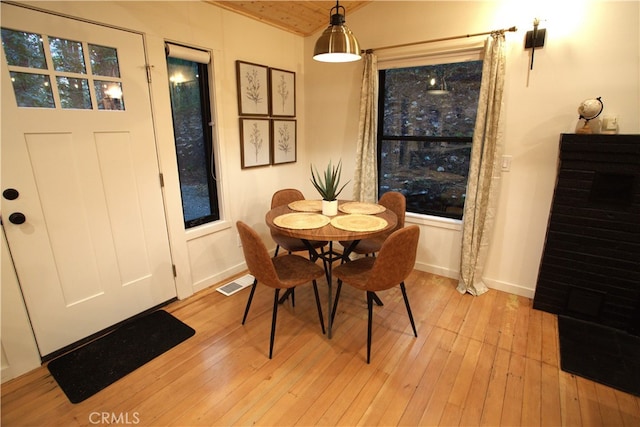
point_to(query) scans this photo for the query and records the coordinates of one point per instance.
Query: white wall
(592, 49)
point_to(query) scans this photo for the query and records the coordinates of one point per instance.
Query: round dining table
(331, 234)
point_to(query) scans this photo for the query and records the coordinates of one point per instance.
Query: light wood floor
(489, 360)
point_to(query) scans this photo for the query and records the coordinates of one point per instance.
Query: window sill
(206, 229)
(434, 221)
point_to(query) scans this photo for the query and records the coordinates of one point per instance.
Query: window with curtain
(190, 107)
(427, 115)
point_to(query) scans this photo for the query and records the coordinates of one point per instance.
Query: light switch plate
(506, 163)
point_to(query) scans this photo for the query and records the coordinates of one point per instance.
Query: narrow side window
(188, 71)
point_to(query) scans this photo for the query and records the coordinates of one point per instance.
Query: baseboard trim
(421, 266)
(218, 278)
(491, 283)
(509, 288)
(438, 270)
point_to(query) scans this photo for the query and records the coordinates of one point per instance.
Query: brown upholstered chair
(395, 202)
(283, 272)
(391, 267)
(290, 244)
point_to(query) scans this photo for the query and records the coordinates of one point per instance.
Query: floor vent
(237, 285)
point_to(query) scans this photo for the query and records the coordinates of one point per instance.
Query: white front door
(81, 198)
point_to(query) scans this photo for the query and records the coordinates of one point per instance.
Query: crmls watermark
(114, 418)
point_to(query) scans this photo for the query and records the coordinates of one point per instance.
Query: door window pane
(74, 93)
(67, 67)
(67, 56)
(109, 95)
(104, 61)
(23, 49)
(32, 90)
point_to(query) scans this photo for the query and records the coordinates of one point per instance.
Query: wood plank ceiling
(299, 17)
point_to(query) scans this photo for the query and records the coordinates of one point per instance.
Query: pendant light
(337, 43)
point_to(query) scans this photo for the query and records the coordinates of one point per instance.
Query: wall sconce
(534, 39)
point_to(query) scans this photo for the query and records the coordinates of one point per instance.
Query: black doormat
(89, 369)
(605, 355)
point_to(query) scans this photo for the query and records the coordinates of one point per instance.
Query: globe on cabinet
(589, 109)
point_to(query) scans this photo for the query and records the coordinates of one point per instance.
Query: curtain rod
(504, 30)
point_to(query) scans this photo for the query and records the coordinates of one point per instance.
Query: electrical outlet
(239, 241)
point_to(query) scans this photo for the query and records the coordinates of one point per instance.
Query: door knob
(10, 194)
(17, 218)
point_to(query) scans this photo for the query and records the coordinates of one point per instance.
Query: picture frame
(255, 142)
(284, 141)
(253, 89)
(282, 87)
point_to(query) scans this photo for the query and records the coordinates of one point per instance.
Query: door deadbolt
(10, 194)
(17, 218)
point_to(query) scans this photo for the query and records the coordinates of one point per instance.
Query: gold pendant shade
(337, 43)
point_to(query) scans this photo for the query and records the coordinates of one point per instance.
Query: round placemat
(301, 220)
(306, 205)
(362, 208)
(358, 222)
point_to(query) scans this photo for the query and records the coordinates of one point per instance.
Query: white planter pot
(330, 208)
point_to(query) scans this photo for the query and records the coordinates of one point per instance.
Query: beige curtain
(484, 170)
(365, 182)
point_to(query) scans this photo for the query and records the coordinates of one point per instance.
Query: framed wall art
(283, 92)
(253, 89)
(284, 141)
(255, 142)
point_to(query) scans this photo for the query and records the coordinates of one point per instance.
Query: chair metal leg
(377, 300)
(370, 322)
(406, 302)
(286, 294)
(246, 310)
(315, 291)
(335, 301)
(276, 253)
(273, 322)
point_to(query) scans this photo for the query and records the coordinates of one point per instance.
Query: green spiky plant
(328, 188)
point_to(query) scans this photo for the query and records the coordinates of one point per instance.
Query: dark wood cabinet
(590, 268)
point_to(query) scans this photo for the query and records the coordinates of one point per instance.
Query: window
(189, 91)
(425, 128)
(65, 81)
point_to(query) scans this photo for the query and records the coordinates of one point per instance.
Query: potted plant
(329, 187)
